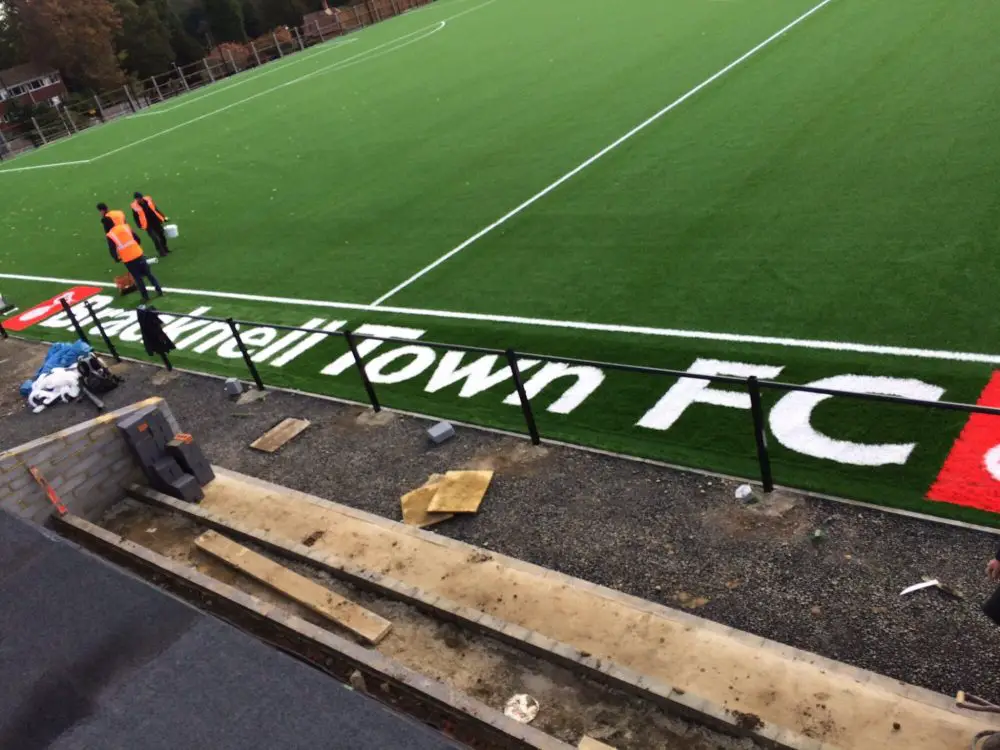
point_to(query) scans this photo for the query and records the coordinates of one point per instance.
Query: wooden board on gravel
(360, 621)
(414, 505)
(461, 492)
(277, 436)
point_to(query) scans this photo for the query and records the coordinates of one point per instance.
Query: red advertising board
(49, 308)
(971, 474)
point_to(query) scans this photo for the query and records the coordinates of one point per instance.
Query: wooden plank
(589, 743)
(414, 504)
(319, 599)
(276, 437)
(461, 492)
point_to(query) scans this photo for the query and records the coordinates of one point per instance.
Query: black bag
(95, 375)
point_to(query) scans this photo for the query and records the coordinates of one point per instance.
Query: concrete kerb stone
(603, 670)
(371, 662)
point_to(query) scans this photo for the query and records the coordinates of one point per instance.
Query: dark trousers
(139, 269)
(156, 233)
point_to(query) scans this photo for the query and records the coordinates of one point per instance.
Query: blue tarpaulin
(59, 355)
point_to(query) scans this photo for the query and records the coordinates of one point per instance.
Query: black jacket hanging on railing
(153, 337)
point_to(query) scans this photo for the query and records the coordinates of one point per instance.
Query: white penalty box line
(599, 155)
(569, 325)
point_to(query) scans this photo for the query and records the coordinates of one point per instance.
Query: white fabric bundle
(61, 385)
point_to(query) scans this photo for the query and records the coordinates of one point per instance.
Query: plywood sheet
(276, 437)
(319, 599)
(589, 743)
(461, 492)
(414, 505)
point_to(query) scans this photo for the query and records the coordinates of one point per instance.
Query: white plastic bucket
(171, 231)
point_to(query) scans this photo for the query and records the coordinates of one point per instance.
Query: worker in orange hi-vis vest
(110, 218)
(149, 217)
(129, 251)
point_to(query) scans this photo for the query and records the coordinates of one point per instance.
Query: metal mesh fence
(226, 60)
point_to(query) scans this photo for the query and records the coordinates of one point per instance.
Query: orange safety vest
(117, 217)
(140, 210)
(126, 246)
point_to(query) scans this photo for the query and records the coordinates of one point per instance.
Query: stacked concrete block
(88, 465)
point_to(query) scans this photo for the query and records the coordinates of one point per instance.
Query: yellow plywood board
(276, 437)
(319, 599)
(461, 492)
(414, 505)
(589, 743)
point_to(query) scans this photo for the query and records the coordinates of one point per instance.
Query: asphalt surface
(93, 658)
(674, 537)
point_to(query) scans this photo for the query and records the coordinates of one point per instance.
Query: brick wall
(88, 465)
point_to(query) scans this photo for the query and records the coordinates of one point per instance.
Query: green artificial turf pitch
(838, 183)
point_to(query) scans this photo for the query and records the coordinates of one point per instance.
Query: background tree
(225, 19)
(143, 43)
(283, 12)
(11, 47)
(74, 36)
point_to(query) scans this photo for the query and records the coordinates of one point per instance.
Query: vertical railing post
(302, 44)
(100, 109)
(208, 69)
(319, 31)
(253, 48)
(760, 434)
(232, 61)
(529, 416)
(76, 323)
(128, 98)
(100, 328)
(246, 355)
(277, 45)
(369, 388)
(183, 77)
(38, 130)
(156, 88)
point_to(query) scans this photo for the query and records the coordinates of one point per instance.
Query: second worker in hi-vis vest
(150, 218)
(129, 251)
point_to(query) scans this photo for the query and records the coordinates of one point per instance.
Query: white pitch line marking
(310, 54)
(736, 338)
(600, 154)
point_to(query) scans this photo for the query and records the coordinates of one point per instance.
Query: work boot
(991, 743)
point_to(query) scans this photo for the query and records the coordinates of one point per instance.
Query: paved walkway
(93, 658)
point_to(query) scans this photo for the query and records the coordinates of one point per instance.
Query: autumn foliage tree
(74, 36)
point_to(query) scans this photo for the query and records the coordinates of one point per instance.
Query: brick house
(30, 84)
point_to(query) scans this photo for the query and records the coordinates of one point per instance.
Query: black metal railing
(753, 386)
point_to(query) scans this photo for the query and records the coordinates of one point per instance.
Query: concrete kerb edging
(368, 661)
(808, 494)
(680, 702)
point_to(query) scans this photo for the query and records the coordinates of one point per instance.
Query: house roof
(22, 73)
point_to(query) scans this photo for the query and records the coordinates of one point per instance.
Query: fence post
(183, 77)
(256, 57)
(107, 341)
(232, 61)
(100, 109)
(298, 35)
(39, 130)
(76, 323)
(529, 416)
(395, 8)
(277, 45)
(319, 30)
(369, 388)
(760, 435)
(67, 115)
(128, 97)
(208, 69)
(246, 355)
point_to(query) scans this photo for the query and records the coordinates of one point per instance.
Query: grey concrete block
(233, 387)
(441, 432)
(81, 466)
